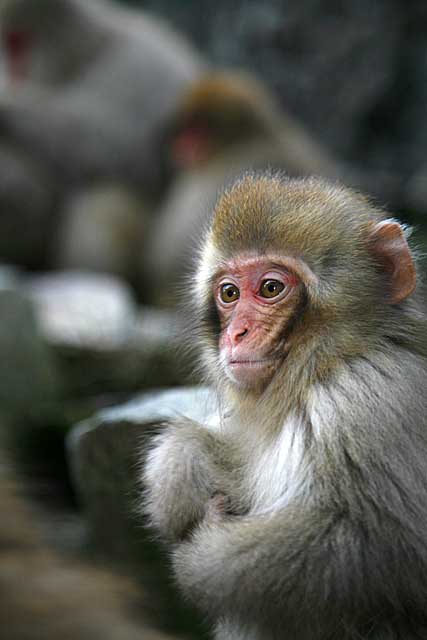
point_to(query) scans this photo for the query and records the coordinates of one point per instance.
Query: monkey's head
(219, 111)
(297, 277)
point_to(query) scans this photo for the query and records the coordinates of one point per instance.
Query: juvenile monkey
(303, 514)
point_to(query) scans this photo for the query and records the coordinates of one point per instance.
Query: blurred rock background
(119, 124)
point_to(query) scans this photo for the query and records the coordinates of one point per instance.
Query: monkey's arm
(305, 563)
(182, 472)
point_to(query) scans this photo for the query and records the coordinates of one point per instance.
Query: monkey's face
(296, 270)
(257, 299)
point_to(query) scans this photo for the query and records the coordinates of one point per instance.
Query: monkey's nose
(237, 330)
(238, 335)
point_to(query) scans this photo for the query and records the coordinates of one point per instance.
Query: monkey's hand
(249, 567)
(182, 473)
(217, 508)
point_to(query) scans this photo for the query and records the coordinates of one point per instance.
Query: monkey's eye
(271, 288)
(229, 292)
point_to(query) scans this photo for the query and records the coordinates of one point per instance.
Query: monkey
(229, 122)
(225, 109)
(94, 82)
(45, 596)
(89, 86)
(301, 513)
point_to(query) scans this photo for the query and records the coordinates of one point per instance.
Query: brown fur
(327, 226)
(239, 110)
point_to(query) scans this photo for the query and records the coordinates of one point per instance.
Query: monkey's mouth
(250, 372)
(251, 363)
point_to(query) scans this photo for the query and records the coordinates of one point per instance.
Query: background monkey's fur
(323, 535)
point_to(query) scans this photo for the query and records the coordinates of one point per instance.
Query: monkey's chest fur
(275, 473)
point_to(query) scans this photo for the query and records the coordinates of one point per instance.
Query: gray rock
(105, 453)
(103, 342)
(83, 310)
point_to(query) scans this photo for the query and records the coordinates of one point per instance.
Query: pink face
(255, 297)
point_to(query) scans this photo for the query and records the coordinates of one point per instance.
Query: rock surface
(103, 342)
(105, 454)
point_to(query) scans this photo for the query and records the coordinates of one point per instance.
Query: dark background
(354, 72)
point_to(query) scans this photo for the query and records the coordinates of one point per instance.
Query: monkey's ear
(388, 244)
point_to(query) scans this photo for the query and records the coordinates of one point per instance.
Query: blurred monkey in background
(303, 513)
(89, 83)
(89, 86)
(228, 123)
